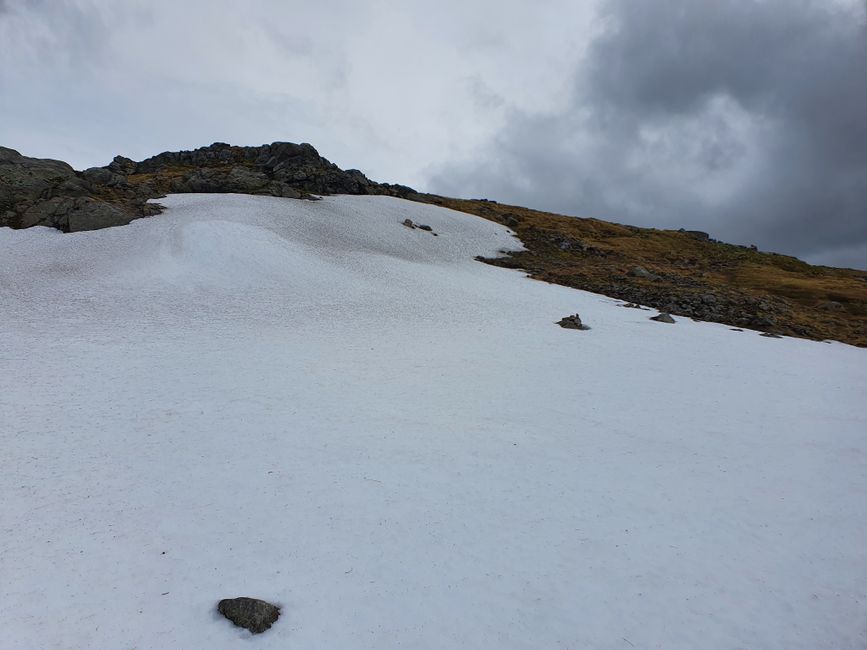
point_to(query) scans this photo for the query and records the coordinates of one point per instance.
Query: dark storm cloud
(745, 118)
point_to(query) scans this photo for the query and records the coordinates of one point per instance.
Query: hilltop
(685, 273)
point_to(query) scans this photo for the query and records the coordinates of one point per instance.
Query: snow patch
(310, 403)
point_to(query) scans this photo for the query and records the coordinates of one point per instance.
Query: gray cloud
(741, 117)
(746, 118)
(391, 88)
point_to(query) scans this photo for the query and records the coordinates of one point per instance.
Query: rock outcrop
(35, 192)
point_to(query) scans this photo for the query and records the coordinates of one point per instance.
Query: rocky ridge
(39, 192)
(685, 273)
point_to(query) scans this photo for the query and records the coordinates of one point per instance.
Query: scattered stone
(762, 321)
(569, 244)
(735, 329)
(251, 613)
(572, 323)
(663, 317)
(831, 305)
(632, 305)
(422, 226)
(641, 272)
(697, 234)
(408, 223)
(768, 335)
(510, 220)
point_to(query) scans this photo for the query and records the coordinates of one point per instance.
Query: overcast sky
(744, 118)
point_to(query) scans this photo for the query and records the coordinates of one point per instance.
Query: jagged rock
(50, 193)
(663, 317)
(251, 613)
(74, 214)
(246, 180)
(100, 176)
(121, 165)
(510, 220)
(696, 234)
(37, 192)
(573, 323)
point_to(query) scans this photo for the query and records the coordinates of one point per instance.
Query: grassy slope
(703, 279)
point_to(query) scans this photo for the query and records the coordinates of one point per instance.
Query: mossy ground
(786, 295)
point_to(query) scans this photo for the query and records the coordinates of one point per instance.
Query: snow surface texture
(310, 403)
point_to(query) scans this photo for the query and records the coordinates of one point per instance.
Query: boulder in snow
(251, 613)
(572, 323)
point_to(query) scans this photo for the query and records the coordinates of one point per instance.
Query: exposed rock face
(36, 192)
(251, 613)
(278, 169)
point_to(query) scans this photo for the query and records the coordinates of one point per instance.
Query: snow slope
(310, 403)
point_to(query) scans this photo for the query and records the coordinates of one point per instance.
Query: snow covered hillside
(310, 403)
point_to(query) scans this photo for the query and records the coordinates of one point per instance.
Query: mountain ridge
(682, 272)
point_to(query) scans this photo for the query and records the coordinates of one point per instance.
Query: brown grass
(783, 294)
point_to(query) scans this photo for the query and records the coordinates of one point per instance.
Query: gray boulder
(74, 214)
(121, 165)
(641, 272)
(572, 323)
(251, 613)
(663, 317)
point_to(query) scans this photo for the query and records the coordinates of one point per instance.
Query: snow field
(310, 403)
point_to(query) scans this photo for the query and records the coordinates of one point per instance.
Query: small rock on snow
(572, 323)
(251, 613)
